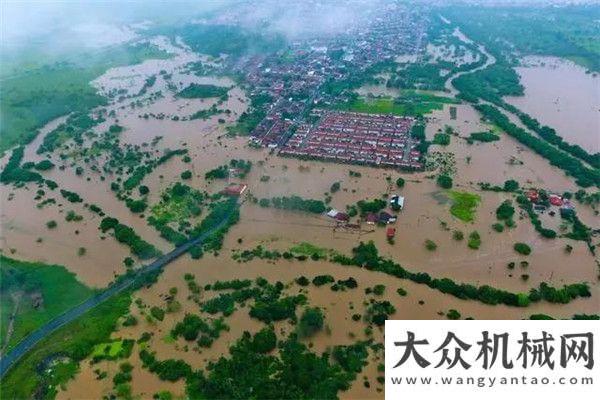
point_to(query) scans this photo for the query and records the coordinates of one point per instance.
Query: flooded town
(229, 201)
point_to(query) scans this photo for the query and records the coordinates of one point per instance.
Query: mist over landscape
(228, 199)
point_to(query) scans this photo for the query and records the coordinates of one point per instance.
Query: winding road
(9, 359)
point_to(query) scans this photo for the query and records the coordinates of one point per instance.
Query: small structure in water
(235, 189)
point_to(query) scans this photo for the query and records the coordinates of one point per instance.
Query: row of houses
(373, 139)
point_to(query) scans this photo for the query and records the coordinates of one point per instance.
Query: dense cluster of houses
(293, 77)
(371, 139)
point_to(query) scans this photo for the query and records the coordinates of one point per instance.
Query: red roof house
(533, 196)
(555, 200)
(371, 218)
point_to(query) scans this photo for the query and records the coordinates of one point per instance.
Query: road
(8, 360)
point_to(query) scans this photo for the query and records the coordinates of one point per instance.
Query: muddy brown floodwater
(426, 216)
(560, 93)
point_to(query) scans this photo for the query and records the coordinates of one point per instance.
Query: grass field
(32, 98)
(410, 103)
(75, 341)
(57, 288)
(464, 205)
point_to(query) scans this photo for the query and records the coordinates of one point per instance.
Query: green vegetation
(526, 205)
(367, 256)
(366, 206)
(295, 203)
(35, 293)
(444, 181)
(112, 350)
(430, 245)
(491, 84)
(583, 175)
(400, 182)
(35, 96)
(453, 314)
(485, 137)
(464, 205)
(474, 240)
(309, 249)
(234, 40)
(378, 311)
(172, 216)
(251, 117)
(186, 175)
(241, 167)
(409, 103)
(567, 31)
(192, 327)
(505, 211)
(76, 341)
(127, 235)
(522, 248)
(310, 322)
(442, 139)
(14, 173)
(199, 91)
(498, 227)
(294, 371)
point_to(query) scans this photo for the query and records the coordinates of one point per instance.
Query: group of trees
(550, 135)
(202, 91)
(583, 175)
(13, 173)
(526, 205)
(483, 137)
(444, 181)
(192, 326)
(366, 255)
(373, 206)
(294, 371)
(127, 235)
(295, 203)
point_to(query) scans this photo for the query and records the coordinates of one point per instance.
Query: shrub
(474, 240)
(44, 165)
(157, 313)
(444, 181)
(522, 248)
(458, 235)
(310, 322)
(453, 314)
(321, 280)
(511, 185)
(505, 211)
(186, 175)
(498, 227)
(400, 182)
(430, 245)
(51, 224)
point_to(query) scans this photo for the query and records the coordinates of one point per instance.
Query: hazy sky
(89, 19)
(100, 22)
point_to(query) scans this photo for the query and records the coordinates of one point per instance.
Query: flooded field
(420, 303)
(560, 94)
(426, 216)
